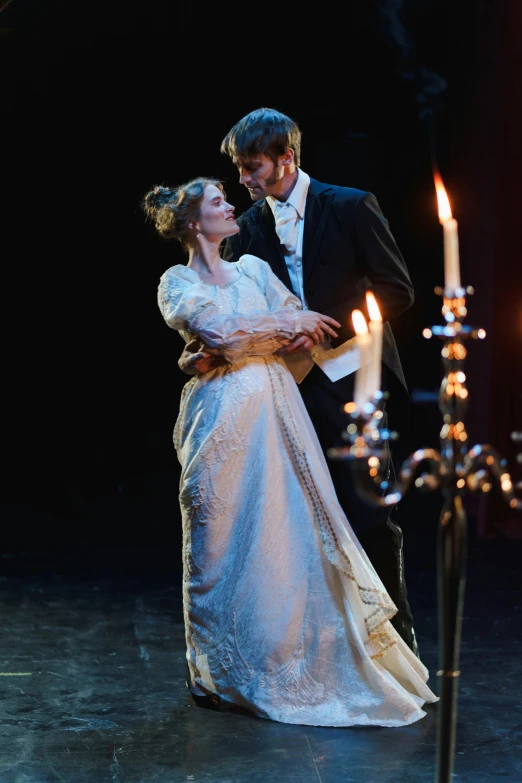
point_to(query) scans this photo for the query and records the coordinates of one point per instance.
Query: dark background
(101, 102)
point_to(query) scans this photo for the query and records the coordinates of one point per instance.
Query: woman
(284, 614)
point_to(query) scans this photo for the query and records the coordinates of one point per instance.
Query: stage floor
(93, 669)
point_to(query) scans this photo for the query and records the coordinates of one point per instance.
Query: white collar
(297, 197)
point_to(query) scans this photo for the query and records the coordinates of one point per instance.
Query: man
(329, 245)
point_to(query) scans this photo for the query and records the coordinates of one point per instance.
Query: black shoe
(210, 702)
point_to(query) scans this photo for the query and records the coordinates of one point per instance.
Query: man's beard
(273, 179)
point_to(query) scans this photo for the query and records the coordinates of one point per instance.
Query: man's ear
(288, 158)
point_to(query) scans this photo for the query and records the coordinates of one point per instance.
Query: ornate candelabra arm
(370, 480)
(409, 469)
(483, 462)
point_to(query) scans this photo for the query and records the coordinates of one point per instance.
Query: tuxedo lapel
(265, 242)
(318, 203)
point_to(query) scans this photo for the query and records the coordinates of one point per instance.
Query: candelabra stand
(454, 470)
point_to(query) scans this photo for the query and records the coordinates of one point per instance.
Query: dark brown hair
(172, 209)
(263, 132)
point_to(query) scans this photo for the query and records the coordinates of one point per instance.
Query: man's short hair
(263, 132)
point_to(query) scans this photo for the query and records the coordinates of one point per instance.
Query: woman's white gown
(284, 613)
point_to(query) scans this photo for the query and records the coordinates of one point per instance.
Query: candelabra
(454, 470)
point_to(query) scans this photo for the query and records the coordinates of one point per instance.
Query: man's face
(261, 176)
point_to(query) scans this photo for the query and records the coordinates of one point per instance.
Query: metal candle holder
(454, 470)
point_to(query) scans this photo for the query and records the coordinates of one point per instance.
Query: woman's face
(216, 216)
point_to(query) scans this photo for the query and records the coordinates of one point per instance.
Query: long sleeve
(381, 262)
(187, 306)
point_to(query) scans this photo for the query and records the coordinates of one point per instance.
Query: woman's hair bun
(157, 198)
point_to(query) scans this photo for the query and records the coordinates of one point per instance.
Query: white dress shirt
(296, 204)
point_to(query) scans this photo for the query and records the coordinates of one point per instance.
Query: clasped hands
(197, 358)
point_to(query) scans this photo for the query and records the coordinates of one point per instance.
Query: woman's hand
(317, 325)
(197, 360)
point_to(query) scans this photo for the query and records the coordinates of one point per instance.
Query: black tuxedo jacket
(347, 250)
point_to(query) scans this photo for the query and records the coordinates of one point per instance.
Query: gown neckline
(214, 285)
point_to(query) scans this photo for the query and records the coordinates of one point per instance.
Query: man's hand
(300, 343)
(196, 360)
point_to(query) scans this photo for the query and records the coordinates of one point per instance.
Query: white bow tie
(286, 219)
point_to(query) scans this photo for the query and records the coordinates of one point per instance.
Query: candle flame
(373, 307)
(359, 323)
(442, 199)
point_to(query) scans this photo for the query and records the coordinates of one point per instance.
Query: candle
(363, 341)
(451, 237)
(376, 329)
(451, 254)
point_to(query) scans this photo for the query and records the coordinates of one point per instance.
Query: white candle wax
(374, 368)
(451, 254)
(361, 391)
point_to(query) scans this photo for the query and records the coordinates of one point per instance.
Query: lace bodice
(252, 315)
